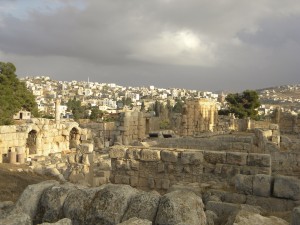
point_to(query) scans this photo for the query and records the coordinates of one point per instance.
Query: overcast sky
(197, 44)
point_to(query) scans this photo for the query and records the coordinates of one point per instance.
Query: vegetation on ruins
(77, 110)
(243, 105)
(14, 96)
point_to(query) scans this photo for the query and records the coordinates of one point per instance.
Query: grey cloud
(99, 40)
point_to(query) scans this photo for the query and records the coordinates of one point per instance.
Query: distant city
(110, 97)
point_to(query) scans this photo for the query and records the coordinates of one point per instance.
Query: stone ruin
(241, 170)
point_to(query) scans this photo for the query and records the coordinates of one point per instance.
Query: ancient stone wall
(132, 126)
(289, 123)
(233, 143)
(159, 168)
(39, 136)
(199, 115)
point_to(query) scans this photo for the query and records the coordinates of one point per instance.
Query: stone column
(57, 110)
(211, 119)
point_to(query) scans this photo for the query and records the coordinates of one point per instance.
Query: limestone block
(214, 157)
(134, 181)
(274, 126)
(243, 184)
(83, 137)
(169, 156)
(195, 158)
(262, 185)
(134, 165)
(286, 187)
(150, 155)
(151, 183)
(122, 179)
(117, 152)
(271, 204)
(222, 209)
(238, 146)
(160, 167)
(296, 216)
(133, 154)
(260, 160)
(236, 158)
(165, 184)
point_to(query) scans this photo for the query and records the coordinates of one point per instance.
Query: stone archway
(31, 142)
(74, 139)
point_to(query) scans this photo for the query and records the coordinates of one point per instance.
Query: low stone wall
(233, 143)
(161, 168)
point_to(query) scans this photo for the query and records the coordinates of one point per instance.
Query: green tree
(243, 105)
(96, 114)
(75, 107)
(14, 95)
(178, 107)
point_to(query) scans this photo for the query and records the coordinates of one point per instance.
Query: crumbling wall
(199, 116)
(131, 127)
(289, 123)
(48, 137)
(160, 168)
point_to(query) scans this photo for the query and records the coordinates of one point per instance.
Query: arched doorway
(74, 139)
(31, 142)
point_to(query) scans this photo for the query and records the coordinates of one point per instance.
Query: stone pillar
(248, 123)
(12, 157)
(57, 110)
(211, 119)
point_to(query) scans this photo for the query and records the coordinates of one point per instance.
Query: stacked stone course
(159, 168)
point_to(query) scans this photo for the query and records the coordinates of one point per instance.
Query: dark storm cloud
(222, 44)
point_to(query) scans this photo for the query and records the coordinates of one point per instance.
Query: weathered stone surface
(144, 206)
(28, 201)
(214, 157)
(180, 207)
(236, 158)
(271, 204)
(245, 217)
(150, 155)
(136, 221)
(64, 221)
(52, 201)
(117, 152)
(110, 204)
(287, 187)
(222, 209)
(16, 219)
(262, 185)
(211, 217)
(169, 156)
(296, 216)
(133, 154)
(76, 204)
(243, 184)
(192, 157)
(260, 160)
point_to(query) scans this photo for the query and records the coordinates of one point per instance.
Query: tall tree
(243, 105)
(75, 107)
(14, 95)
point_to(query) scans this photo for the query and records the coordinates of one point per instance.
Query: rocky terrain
(110, 204)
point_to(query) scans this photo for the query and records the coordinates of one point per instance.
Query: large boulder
(296, 216)
(136, 221)
(250, 218)
(144, 206)
(29, 200)
(64, 221)
(110, 204)
(52, 201)
(16, 219)
(181, 207)
(76, 204)
(244, 184)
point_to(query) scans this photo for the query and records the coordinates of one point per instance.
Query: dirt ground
(14, 179)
